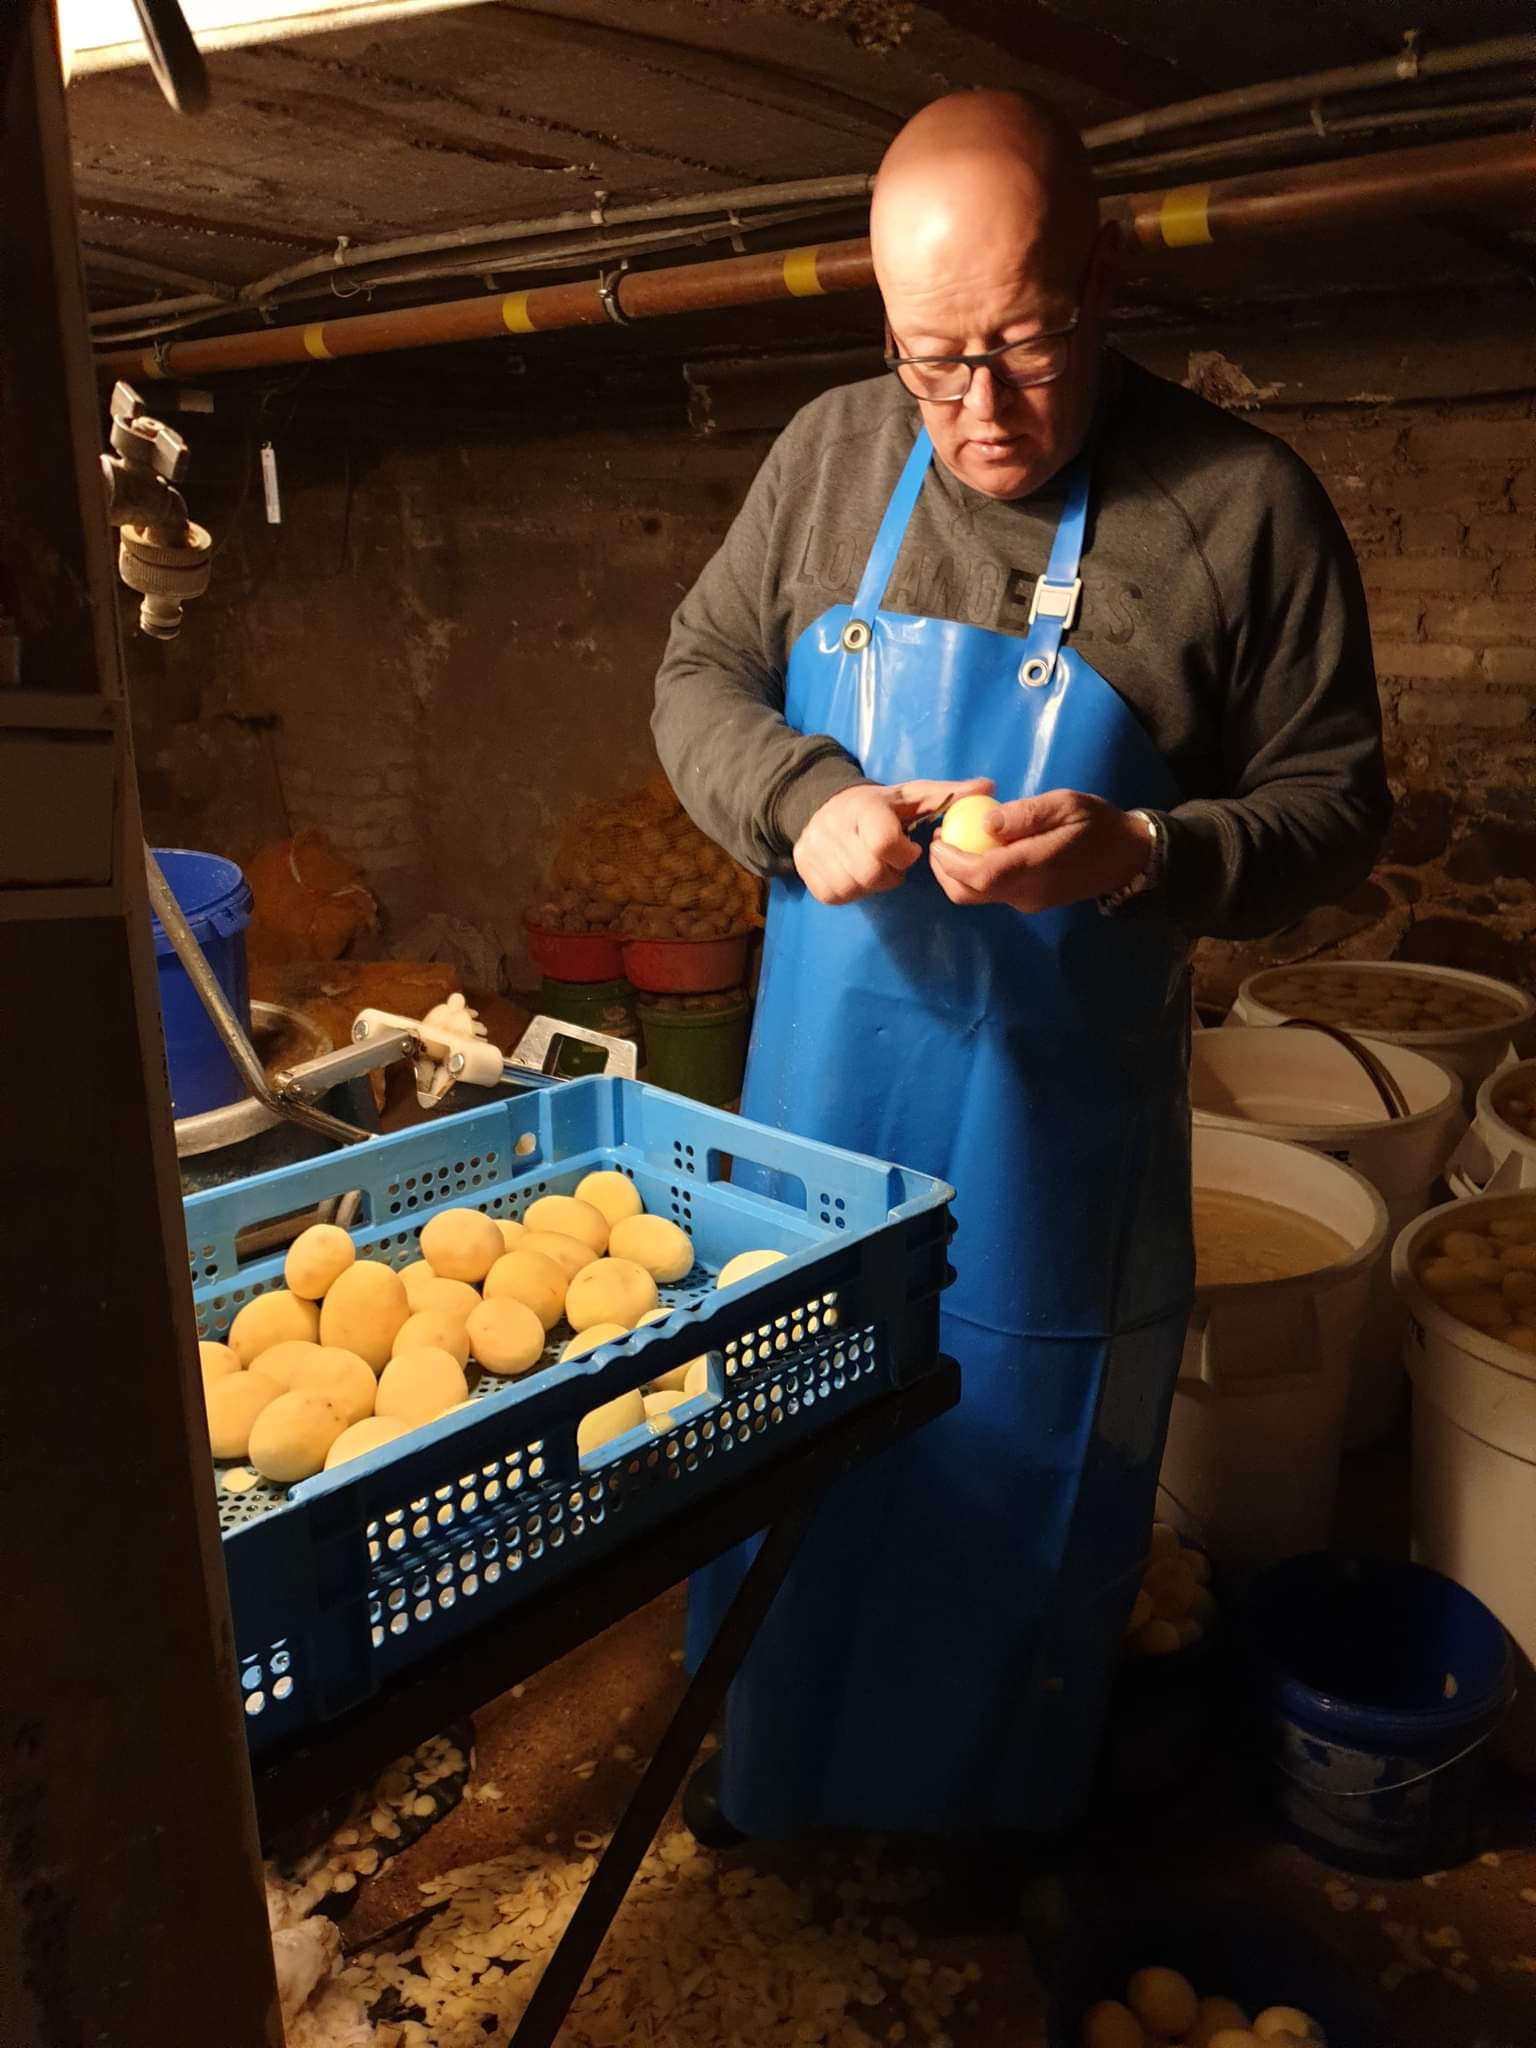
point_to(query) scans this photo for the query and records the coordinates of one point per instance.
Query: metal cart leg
(577, 1948)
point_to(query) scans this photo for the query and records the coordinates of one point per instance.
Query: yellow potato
(217, 1361)
(281, 1361)
(568, 1217)
(434, 1329)
(1189, 1631)
(1109, 2024)
(1444, 1278)
(664, 1250)
(656, 1315)
(1518, 1288)
(506, 1336)
(570, 1254)
(1520, 1338)
(343, 1379)
(744, 1265)
(1466, 1244)
(291, 1435)
(1235, 2037)
(1520, 1258)
(1171, 1586)
(274, 1318)
(461, 1244)
(420, 1386)
(1163, 2001)
(613, 1419)
(659, 1404)
(696, 1380)
(614, 1194)
(233, 1404)
(1484, 1311)
(1513, 1229)
(609, 1291)
(531, 1278)
(1165, 1541)
(1141, 1613)
(965, 822)
(1215, 2016)
(1286, 2023)
(449, 1297)
(317, 1257)
(414, 1278)
(511, 1233)
(362, 1437)
(593, 1339)
(363, 1310)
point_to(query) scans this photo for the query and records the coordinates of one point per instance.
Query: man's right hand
(856, 845)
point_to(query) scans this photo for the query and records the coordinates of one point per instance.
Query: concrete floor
(1176, 1865)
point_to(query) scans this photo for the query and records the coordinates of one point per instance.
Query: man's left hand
(1057, 848)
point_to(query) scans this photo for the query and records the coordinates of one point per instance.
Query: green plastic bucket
(698, 1053)
(607, 1006)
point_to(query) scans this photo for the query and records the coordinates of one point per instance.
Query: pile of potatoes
(351, 1354)
(1486, 1278)
(1162, 2007)
(642, 867)
(1376, 999)
(1174, 1605)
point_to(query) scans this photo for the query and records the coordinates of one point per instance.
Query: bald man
(1017, 566)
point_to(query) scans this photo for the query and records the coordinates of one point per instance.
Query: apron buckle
(856, 636)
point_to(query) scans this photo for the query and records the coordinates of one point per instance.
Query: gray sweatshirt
(1220, 599)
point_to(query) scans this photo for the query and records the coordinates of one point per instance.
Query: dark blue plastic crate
(346, 1579)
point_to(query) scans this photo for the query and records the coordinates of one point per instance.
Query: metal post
(130, 1890)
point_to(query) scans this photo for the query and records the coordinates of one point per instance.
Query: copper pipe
(1447, 177)
(1444, 177)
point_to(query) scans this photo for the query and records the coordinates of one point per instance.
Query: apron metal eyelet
(1035, 671)
(856, 636)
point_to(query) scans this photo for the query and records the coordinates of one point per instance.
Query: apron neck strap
(893, 530)
(1054, 605)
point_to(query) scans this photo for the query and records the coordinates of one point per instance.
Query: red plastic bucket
(676, 967)
(576, 956)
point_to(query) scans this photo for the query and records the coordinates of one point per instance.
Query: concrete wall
(451, 637)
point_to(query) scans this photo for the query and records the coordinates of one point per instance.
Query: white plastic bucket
(1251, 1465)
(1474, 1454)
(1472, 1051)
(1496, 1156)
(1304, 1088)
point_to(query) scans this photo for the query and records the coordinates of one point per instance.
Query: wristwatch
(1151, 875)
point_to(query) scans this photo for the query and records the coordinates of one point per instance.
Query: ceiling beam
(1046, 41)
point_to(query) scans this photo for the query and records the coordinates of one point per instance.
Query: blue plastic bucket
(215, 900)
(1383, 1686)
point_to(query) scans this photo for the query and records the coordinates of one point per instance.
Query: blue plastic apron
(940, 1656)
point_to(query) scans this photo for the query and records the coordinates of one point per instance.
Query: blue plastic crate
(344, 1580)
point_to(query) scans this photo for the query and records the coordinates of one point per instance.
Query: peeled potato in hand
(964, 825)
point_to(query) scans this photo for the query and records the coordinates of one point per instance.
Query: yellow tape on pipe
(800, 277)
(314, 343)
(514, 313)
(1184, 216)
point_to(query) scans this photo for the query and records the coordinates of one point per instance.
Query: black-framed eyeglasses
(944, 380)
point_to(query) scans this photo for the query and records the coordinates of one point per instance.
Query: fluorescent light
(104, 35)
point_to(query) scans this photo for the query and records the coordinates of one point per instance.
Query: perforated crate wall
(353, 1575)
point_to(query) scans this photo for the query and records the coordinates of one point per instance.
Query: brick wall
(453, 636)
(1440, 503)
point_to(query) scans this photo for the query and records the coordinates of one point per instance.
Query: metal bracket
(537, 1050)
(608, 291)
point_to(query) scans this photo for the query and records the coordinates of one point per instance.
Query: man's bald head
(985, 232)
(993, 161)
